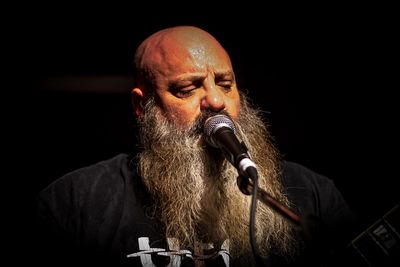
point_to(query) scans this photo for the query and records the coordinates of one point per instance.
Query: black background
(325, 75)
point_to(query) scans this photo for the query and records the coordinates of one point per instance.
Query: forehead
(189, 53)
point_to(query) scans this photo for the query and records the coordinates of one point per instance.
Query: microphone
(220, 133)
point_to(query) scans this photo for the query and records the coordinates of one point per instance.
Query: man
(176, 202)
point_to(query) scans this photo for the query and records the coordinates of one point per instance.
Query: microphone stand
(246, 187)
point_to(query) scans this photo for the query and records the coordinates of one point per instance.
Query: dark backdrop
(326, 78)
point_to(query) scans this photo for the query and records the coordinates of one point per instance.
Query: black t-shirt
(103, 214)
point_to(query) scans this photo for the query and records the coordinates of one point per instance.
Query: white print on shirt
(174, 252)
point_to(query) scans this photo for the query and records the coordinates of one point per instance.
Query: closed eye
(226, 84)
(184, 92)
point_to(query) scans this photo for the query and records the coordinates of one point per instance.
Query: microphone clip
(245, 184)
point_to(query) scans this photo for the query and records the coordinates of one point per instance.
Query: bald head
(171, 47)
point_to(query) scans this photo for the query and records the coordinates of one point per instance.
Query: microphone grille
(217, 121)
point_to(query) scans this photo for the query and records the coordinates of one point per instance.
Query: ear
(137, 96)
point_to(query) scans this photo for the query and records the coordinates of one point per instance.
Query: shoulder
(100, 172)
(313, 193)
(84, 206)
(102, 180)
(297, 175)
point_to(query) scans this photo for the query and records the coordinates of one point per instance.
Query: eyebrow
(224, 75)
(185, 78)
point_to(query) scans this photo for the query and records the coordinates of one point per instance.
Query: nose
(213, 99)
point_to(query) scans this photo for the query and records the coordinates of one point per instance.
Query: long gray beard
(195, 189)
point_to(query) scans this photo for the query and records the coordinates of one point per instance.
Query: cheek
(183, 114)
(233, 106)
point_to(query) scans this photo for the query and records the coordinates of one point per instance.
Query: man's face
(194, 77)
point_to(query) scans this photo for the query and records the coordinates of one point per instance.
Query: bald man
(175, 202)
